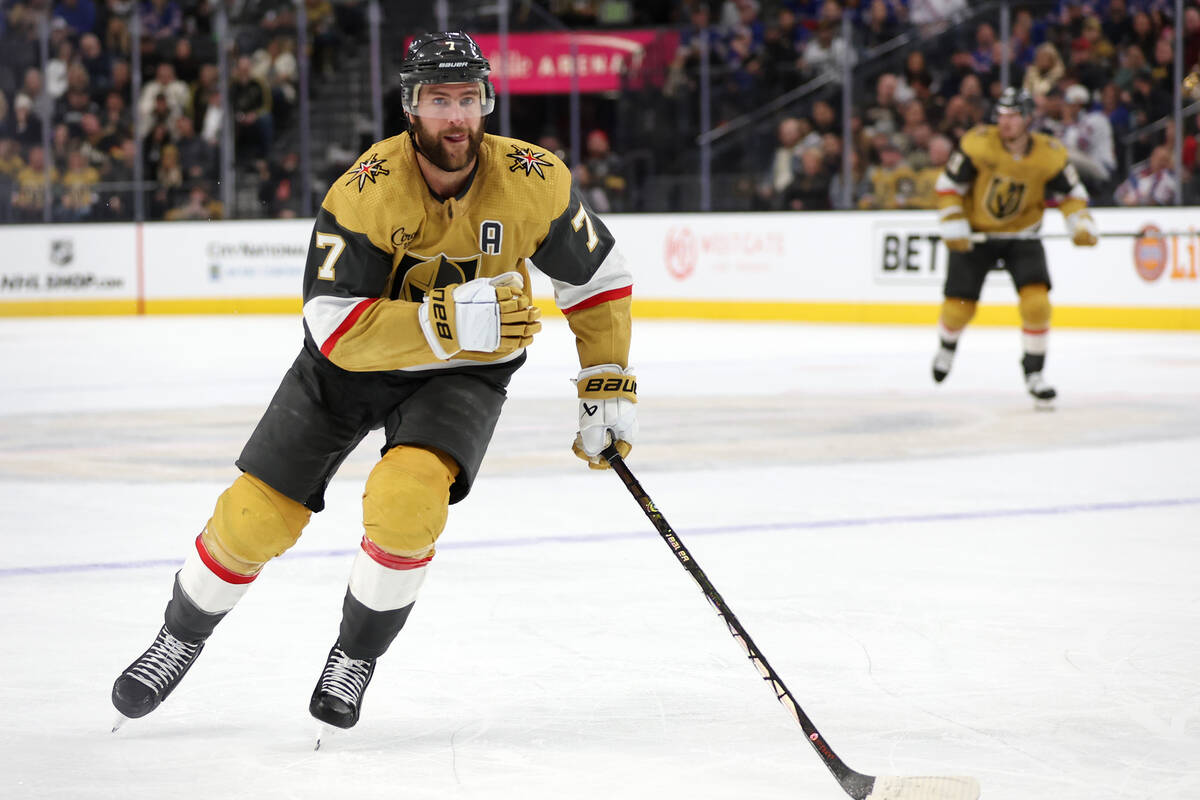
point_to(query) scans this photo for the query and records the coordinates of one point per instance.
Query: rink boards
(863, 267)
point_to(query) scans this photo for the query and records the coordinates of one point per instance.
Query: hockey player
(997, 181)
(416, 314)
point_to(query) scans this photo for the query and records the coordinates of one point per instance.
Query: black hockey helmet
(1014, 101)
(445, 57)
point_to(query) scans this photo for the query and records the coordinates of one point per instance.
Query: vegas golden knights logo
(1004, 197)
(417, 276)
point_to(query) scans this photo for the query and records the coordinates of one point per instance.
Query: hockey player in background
(997, 181)
(417, 312)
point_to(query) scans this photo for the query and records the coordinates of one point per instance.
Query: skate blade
(119, 721)
(324, 733)
(1043, 405)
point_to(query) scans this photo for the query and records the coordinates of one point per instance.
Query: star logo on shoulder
(368, 170)
(525, 158)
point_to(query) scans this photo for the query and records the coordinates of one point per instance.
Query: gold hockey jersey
(1001, 192)
(382, 240)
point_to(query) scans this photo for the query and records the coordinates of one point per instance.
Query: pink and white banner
(543, 63)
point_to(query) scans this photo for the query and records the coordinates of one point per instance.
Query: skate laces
(164, 662)
(345, 677)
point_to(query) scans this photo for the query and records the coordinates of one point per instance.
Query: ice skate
(337, 698)
(1043, 393)
(146, 682)
(942, 362)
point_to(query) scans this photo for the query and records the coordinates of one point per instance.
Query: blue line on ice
(526, 541)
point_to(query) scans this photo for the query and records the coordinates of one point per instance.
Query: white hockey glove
(956, 233)
(607, 412)
(486, 315)
(1082, 226)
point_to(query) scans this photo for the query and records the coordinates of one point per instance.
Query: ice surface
(949, 582)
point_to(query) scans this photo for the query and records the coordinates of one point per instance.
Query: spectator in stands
(881, 26)
(60, 147)
(1153, 185)
(116, 199)
(161, 20)
(827, 54)
(214, 119)
(117, 41)
(185, 62)
(1092, 55)
(810, 189)
(115, 119)
(933, 16)
(78, 195)
(11, 165)
(276, 64)
(250, 100)
(916, 71)
(937, 153)
(73, 106)
(781, 53)
(893, 181)
(860, 184)
(32, 86)
(29, 201)
(1117, 24)
(322, 35)
(1131, 63)
(279, 187)
(1144, 34)
(785, 161)
(78, 15)
(988, 52)
(174, 94)
(1045, 72)
(93, 141)
(957, 119)
(26, 126)
(97, 64)
(197, 158)
(606, 170)
(122, 83)
(1021, 46)
(1088, 138)
(883, 114)
(56, 69)
(168, 183)
(199, 206)
(206, 83)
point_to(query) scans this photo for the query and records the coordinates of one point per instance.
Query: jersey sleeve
(1064, 185)
(956, 179)
(592, 283)
(346, 277)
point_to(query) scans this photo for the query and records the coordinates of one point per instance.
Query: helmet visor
(450, 100)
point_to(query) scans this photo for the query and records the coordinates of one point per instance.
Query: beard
(434, 148)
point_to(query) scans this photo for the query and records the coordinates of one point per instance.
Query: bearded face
(450, 145)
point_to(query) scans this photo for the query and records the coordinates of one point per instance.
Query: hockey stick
(1034, 235)
(855, 784)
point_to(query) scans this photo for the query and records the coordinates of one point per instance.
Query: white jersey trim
(612, 274)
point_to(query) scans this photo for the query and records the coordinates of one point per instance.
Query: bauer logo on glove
(607, 412)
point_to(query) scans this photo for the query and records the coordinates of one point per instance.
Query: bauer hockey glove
(956, 233)
(1084, 232)
(607, 412)
(486, 315)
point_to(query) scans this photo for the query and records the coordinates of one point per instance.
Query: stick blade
(957, 787)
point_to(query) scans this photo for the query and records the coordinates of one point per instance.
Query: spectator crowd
(1097, 70)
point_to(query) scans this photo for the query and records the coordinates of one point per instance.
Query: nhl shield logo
(1004, 197)
(62, 252)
